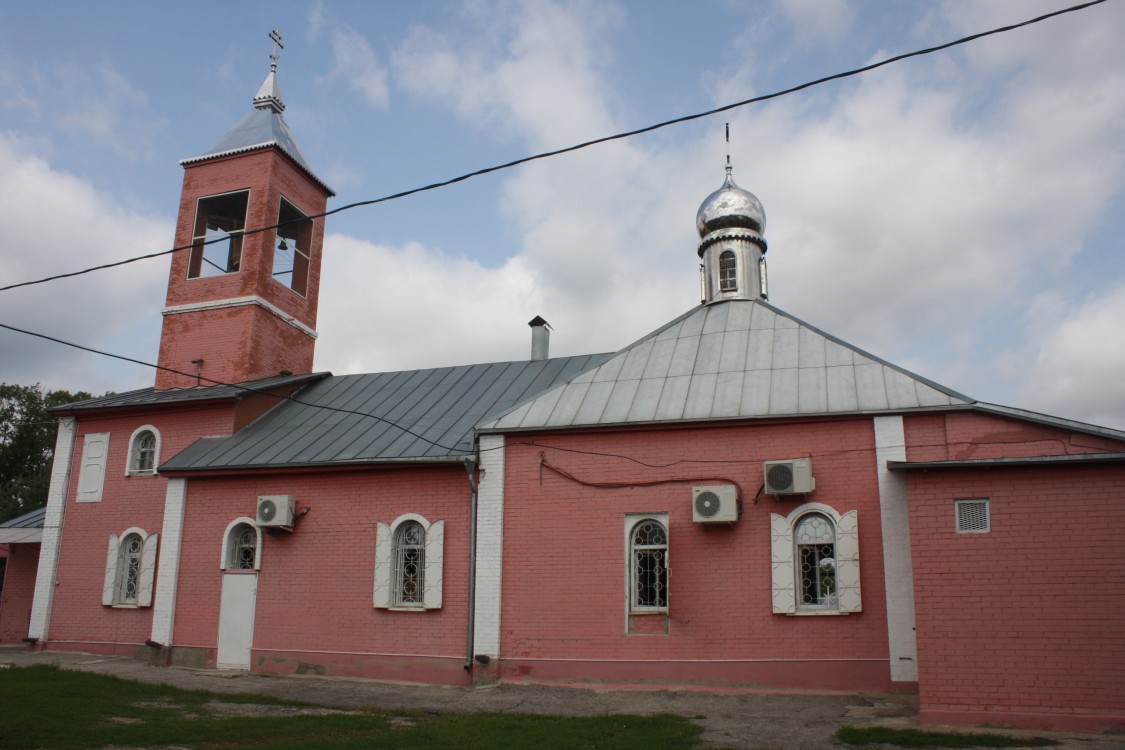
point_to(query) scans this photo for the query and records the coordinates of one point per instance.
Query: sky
(960, 214)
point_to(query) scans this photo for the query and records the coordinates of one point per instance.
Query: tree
(27, 442)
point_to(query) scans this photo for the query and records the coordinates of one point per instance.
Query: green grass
(43, 707)
(920, 738)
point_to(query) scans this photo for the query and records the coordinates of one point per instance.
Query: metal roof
(154, 397)
(260, 128)
(25, 528)
(413, 415)
(727, 360)
(989, 463)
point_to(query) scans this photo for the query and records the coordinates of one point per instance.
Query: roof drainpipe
(540, 338)
(470, 466)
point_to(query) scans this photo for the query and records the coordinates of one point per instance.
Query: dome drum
(732, 234)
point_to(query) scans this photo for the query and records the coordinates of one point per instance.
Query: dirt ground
(742, 720)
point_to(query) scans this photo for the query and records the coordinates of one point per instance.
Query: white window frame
(91, 472)
(786, 562)
(728, 282)
(631, 522)
(116, 570)
(227, 559)
(387, 580)
(134, 440)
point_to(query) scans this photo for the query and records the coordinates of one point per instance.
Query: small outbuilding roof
(23, 529)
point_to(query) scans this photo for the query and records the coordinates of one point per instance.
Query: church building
(738, 500)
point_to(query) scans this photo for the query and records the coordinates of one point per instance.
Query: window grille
(972, 516)
(410, 565)
(728, 272)
(244, 548)
(815, 537)
(130, 568)
(649, 542)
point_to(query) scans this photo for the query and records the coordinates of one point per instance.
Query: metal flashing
(985, 463)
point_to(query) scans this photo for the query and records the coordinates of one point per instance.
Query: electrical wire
(579, 146)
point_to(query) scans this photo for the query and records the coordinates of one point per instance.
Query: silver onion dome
(730, 207)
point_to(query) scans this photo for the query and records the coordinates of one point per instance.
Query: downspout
(470, 466)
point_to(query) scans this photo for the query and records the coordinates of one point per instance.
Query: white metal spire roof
(729, 360)
(263, 126)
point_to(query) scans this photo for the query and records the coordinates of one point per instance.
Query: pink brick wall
(1024, 625)
(314, 607)
(78, 615)
(564, 558)
(19, 589)
(967, 435)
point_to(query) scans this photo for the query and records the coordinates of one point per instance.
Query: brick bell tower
(242, 304)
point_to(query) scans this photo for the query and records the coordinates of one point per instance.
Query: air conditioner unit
(791, 477)
(714, 504)
(275, 510)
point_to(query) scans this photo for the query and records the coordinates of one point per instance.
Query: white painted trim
(490, 546)
(92, 469)
(52, 530)
(168, 568)
(129, 471)
(241, 302)
(894, 515)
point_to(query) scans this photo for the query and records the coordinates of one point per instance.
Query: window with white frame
(648, 564)
(130, 568)
(144, 451)
(408, 563)
(728, 271)
(242, 546)
(815, 554)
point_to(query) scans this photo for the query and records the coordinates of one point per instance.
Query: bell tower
(242, 299)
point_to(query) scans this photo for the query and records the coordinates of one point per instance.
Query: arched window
(409, 556)
(815, 553)
(410, 564)
(728, 271)
(129, 569)
(815, 537)
(242, 546)
(648, 562)
(144, 451)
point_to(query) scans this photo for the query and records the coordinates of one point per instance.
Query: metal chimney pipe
(540, 338)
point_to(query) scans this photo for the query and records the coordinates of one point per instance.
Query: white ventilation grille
(972, 516)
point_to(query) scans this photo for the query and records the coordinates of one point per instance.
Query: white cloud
(103, 108)
(54, 223)
(819, 21)
(357, 63)
(1079, 367)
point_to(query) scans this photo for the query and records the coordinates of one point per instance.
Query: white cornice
(241, 302)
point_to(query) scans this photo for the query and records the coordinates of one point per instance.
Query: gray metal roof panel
(30, 520)
(772, 364)
(382, 417)
(262, 127)
(152, 397)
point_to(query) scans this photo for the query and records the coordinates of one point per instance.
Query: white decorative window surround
(973, 516)
(815, 553)
(646, 544)
(242, 545)
(408, 563)
(129, 569)
(91, 473)
(144, 451)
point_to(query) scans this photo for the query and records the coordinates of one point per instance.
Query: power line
(579, 146)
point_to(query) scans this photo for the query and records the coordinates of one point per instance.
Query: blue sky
(960, 215)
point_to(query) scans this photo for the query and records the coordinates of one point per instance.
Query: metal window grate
(972, 516)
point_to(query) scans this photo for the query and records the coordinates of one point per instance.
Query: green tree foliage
(27, 441)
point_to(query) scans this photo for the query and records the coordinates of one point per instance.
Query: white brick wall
(52, 529)
(490, 545)
(890, 445)
(168, 570)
